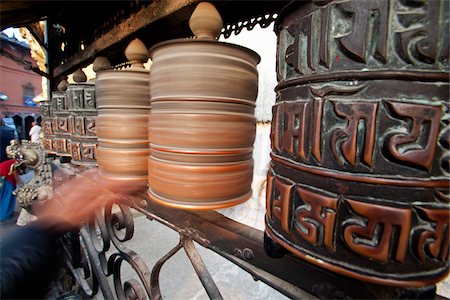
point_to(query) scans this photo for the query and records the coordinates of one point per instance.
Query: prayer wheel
(201, 126)
(359, 178)
(62, 124)
(47, 110)
(122, 124)
(81, 104)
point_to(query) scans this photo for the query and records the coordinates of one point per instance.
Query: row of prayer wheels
(358, 182)
(69, 121)
(186, 127)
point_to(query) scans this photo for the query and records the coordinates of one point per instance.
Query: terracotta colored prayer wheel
(123, 140)
(359, 179)
(123, 105)
(201, 127)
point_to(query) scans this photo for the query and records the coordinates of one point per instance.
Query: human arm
(28, 261)
(28, 255)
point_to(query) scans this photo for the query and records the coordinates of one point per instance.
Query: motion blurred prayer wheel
(122, 125)
(359, 179)
(201, 126)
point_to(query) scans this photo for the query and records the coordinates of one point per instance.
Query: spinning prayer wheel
(122, 125)
(359, 179)
(201, 126)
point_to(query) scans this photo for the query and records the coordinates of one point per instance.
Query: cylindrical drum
(83, 113)
(201, 126)
(62, 124)
(47, 110)
(359, 179)
(123, 103)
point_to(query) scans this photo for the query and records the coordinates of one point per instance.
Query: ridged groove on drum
(204, 106)
(123, 144)
(197, 156)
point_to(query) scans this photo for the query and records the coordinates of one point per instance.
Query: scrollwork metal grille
(105, 255)
(115, 225)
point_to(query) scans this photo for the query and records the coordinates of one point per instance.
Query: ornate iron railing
(108, 230)
(99, 257)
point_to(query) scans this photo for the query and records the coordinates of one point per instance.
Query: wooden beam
(159, 9)
(19, 13)
(38, 71)
(38, 34)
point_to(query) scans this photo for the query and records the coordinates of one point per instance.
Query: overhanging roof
(87, 29)
(21, 13)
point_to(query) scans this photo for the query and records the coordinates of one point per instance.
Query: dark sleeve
(28, 261)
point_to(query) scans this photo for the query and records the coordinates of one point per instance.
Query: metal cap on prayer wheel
(201, 126)
(122, 124)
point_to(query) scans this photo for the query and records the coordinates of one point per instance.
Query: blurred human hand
(75, 200)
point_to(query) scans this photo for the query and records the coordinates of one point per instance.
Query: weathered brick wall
(12, 78)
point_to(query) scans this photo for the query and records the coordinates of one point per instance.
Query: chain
(263, 21)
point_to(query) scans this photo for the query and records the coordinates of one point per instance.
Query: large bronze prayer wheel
(123, 104)
(359, 179)
(201, 126)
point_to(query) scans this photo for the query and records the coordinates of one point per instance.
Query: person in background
(6, 135)
(29, 255)
(35, 132)
(8, 183)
